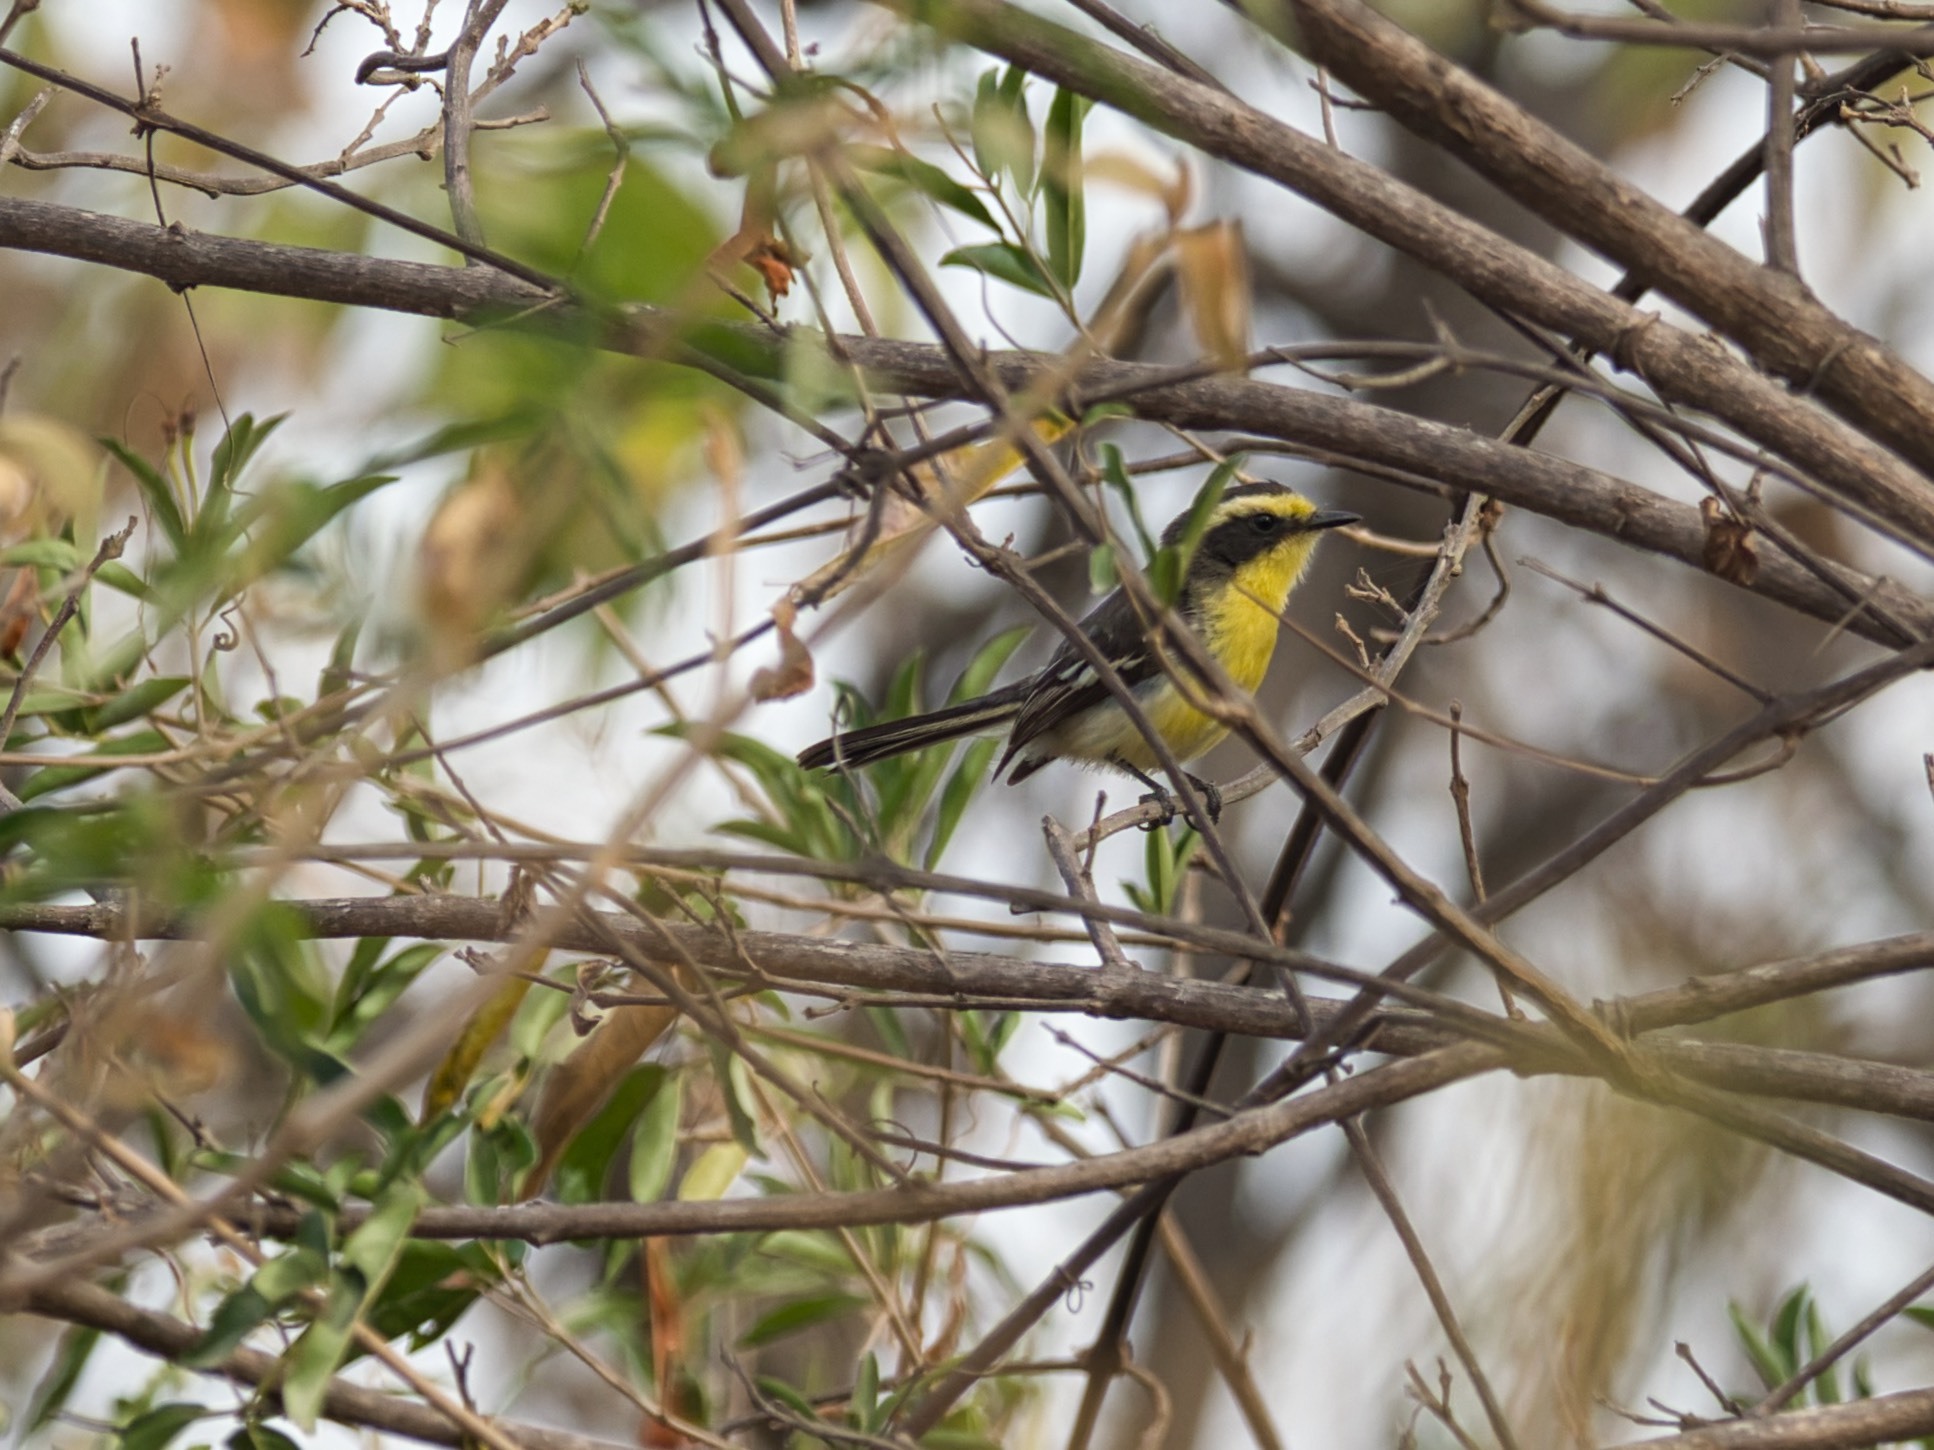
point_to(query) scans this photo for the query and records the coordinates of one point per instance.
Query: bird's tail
(896, 737)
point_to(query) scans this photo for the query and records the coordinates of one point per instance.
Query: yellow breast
(1239, 625)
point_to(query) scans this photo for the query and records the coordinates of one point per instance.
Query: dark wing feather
(1067, 685)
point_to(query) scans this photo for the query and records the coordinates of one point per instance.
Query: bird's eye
(1264, 524)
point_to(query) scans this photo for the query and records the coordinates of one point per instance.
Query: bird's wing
(1068, 684)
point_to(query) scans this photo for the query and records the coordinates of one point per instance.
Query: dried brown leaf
(1730, 550)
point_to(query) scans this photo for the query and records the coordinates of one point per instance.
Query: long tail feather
(896, 737)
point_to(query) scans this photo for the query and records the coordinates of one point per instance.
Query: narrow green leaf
(728, 1075)
(1003, 135)
(365, 995)
(1105, 413)
(1004, 262)
(987, 119)
(232, 1322)
(923, 176)
(314, 1357)
(1786, 1328)
(289, 1273)
(1826, 1387)
(153, 1430)
(582, 1171)
(893, 1033)
(654, 1142)
(1170, 566)
(135, 701)
(1064, 209)
(61, 554)
(962, 786)
(1101, 569)
(1020, 127)
(866, 1394)
(430, 1288)
(155, 491)
(238, 446)
(1114, 472)
(117, 575)
(71, 1354)
(372, 1248)
(260, 1437)
(1764, 1358)
(786, 1395)
(979, 675)
(798, 1314)
(714, 1171)
(72, 771)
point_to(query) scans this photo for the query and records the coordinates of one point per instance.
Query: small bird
(1253, 549)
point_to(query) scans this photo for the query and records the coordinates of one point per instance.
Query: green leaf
(1003, 134)
(1064, 210)
(368, 1255)
(987, 119)
(1013, 94)
(61, 554)
(729, 1075)
(153, 1430)
(71, 1354)
(313, 1358)
(368, 991)
(786, 1395)
(961, 788)
(893, 1035)
(73, 770)
(1004, 262)
(117, 575)
(1786, 1328)
(1826, 1386)
(155, 491)
(923, 176)
(233, 1320)
(428, 1290)
(798, 1314)
(582, 1171)
(372, 1248)
(654, 1142)
(866, 1394)
(1114, 472)
(260, 1437)
(1764, 1358)
(289, 1273)
(715, 1171)
(282, 521)
(135, 702)
(241, 443)
(1170, 566)
(1101, 569)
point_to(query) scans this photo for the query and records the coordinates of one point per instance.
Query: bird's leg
(1171, 807)
(1211, 796)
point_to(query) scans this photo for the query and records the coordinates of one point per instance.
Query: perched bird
(1253, 549)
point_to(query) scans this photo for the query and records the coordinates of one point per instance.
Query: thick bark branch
(1683, 367)
(1881, 1420)
(1769, 313)
(978, 979)
(1377, 437)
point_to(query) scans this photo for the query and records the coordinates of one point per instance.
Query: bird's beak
(1331, 519)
